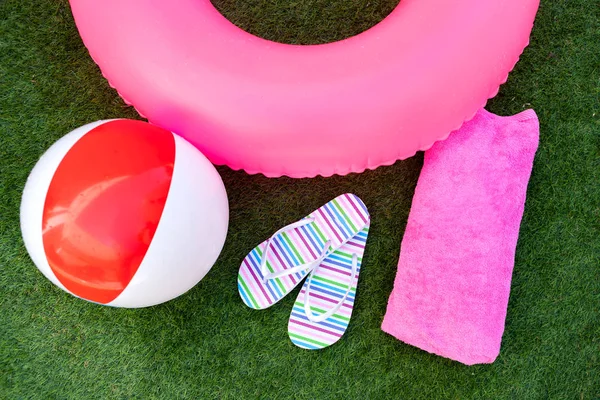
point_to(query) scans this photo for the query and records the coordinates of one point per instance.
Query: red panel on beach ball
(104, 204)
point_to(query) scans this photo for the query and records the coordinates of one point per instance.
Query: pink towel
(451, 290)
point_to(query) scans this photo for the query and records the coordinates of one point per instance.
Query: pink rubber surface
(302, 111)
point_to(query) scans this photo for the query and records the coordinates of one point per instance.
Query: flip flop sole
(337, 221)
(328, 286)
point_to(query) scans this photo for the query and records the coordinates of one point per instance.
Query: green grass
(206, 343)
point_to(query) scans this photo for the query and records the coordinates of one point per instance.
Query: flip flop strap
(322, 317)
(308, 267)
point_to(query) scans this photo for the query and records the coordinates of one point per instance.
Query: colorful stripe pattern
(329, 284)
(338, 221)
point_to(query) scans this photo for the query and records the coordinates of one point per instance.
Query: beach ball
(124, 213)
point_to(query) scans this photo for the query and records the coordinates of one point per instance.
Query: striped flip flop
(324, 306)
(277, 265)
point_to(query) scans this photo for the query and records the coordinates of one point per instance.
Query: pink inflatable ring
(302, 111)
